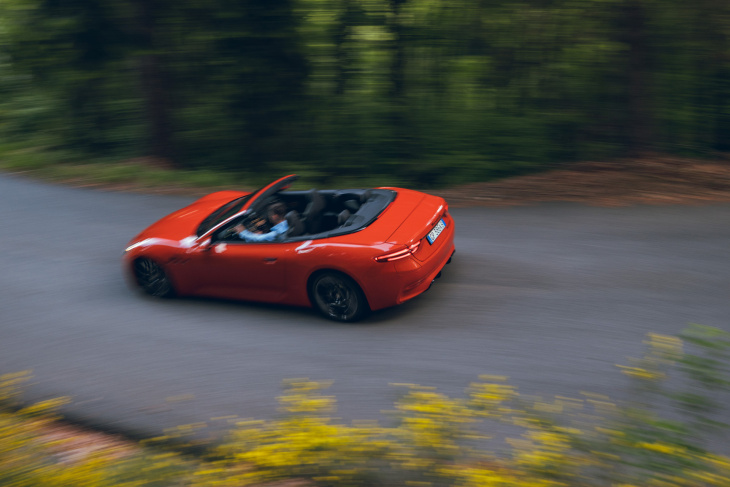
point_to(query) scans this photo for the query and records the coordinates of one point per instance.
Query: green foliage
(428, 92)
(658, 439)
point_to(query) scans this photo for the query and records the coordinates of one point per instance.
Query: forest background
(425, 92)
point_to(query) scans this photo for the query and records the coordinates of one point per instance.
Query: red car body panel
(280, 272)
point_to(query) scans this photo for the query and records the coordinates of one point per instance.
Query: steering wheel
(229, 232)
(256, 223)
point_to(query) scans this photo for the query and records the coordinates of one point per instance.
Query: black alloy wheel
(152, 279)
(338, 297)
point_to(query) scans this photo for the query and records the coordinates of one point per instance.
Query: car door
(245, 270)
(221, 266)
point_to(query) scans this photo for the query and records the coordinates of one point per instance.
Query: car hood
(184, 222)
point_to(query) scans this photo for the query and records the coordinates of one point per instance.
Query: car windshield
(231, 208)
(225, 211)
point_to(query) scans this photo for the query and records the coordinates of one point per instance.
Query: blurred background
(432, 92)
(426, 93)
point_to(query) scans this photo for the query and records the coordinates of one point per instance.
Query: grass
(148, 175)
(132, 175)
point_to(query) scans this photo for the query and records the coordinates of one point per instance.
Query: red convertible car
(345, 252)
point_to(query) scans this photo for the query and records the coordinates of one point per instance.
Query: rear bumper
(418, 281)
(404, 279)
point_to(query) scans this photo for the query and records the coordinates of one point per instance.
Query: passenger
(279, 226)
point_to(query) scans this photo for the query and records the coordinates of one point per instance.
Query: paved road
(552, 296)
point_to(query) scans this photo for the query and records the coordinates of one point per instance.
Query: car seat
(296, 226)
(343, 217)
(313, 211)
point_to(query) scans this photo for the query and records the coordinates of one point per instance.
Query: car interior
(326, 213)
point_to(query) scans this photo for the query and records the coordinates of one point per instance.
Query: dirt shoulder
(655, 181)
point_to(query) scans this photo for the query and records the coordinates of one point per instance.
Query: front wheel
(338, 297)
(152, 279)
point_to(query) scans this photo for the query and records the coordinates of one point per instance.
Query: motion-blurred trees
(430, 91)
(62, 60)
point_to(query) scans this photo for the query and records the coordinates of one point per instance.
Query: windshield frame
(226, 211)
(243, 205)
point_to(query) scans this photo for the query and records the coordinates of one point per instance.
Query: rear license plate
(433, 234)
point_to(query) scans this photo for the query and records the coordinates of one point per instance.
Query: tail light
(399, 254)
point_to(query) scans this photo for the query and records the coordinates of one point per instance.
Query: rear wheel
(338, 297)
(152, 279)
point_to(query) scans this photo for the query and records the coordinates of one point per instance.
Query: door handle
(269, 260)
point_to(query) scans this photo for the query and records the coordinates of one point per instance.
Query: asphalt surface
(552, 296)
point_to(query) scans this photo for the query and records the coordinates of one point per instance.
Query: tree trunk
(341, 55)
(639, 112)
(397, 67)
(154, 83)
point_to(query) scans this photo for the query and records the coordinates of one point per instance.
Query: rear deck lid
(422, 224)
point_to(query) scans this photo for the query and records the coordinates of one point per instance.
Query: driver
(279, 226)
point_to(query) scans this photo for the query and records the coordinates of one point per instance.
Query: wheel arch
(326, 270)
(170, 276)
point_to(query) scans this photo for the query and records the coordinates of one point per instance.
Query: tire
(152, 279)
(338, 297)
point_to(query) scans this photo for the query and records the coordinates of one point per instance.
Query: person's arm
(249, 236)
(280, 228)
(276, 231)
